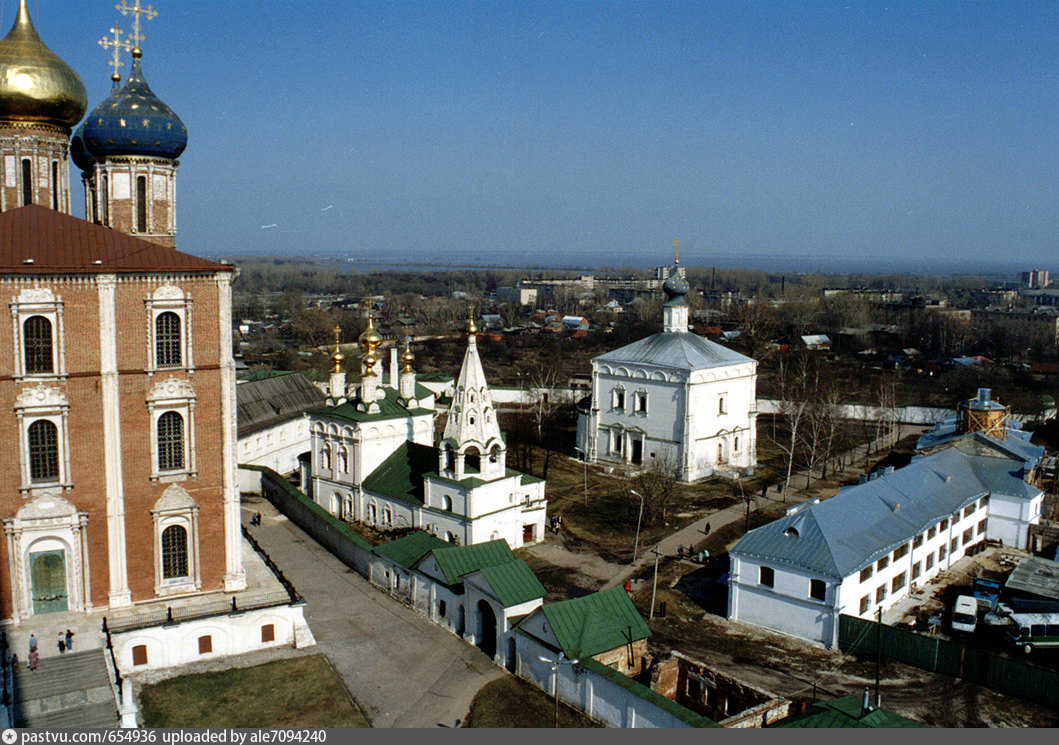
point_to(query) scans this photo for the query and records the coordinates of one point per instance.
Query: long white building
(869, 546)
(672, 395)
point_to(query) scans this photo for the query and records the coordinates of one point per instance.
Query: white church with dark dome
(672, 395)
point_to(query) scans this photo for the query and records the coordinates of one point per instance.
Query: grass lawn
(296, 692)
(512, 702)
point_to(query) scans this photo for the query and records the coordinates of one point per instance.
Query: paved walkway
(696, 532)
(402, 669)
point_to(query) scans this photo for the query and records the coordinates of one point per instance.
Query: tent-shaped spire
(472, 444)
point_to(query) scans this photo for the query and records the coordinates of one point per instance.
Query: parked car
(965, 614)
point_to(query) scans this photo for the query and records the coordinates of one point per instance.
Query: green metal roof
(514, 582)
(401, 474)
(389, 408)
(847, 711)
(596, 623)
(409, 549)
(456, 561)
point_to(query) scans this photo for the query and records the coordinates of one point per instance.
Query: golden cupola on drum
(41, 99)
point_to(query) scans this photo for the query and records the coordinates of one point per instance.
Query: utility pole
(878, 654)
(636, 546)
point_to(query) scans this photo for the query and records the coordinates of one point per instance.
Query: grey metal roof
(678, 349)
(841, 535)
(1016, 444)
(1035, 576)
(270, 401)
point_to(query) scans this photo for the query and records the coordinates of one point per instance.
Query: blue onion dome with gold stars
(36, 86)
(133, 121)
(676, 287)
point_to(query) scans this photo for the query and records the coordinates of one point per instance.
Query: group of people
(65, 644)
(556, 522)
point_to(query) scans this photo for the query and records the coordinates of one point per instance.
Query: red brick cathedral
(117, 384)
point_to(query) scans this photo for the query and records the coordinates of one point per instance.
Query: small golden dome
(36, 86)
(337, 356)
(407, 357)
(471, 328)
(370, 339)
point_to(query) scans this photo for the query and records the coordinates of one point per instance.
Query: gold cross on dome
(118, 45)
(148, 12)
(676, 250)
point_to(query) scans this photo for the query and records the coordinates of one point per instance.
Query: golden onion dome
(370, 339)
(36, 86)
(337, 356)
(407, 357)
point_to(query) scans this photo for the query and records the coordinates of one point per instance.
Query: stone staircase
(70, 690)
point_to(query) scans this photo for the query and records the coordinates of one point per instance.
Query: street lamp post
(636, 546)
(654, 585)
(555, 669)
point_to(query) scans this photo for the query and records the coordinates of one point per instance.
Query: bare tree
(657, 483)
(792, 406)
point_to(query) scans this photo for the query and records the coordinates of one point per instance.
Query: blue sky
(602, 129)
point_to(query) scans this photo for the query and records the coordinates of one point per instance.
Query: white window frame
(173, 394)
(169, 299)
(38, 301)
(176, 507)
(33, 405)
(616, 392)
(639, 397)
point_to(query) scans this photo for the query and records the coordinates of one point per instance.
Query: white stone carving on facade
(174, 498)
(36, 295)
(46, 506)
(172, 388)
(40, 396)
(168, 291)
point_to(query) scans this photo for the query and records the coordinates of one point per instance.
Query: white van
(965, 614)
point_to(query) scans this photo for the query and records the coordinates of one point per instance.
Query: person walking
(32, 644)
(14, 662)
(62, 643)
(69, 641)
(33, 658)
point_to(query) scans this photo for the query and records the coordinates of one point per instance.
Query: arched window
(141, 204)
(174, 552)
(43, 452)
(170, 441)
(720, 406)
(27, 182)
(343, 459)
(494, 454)
(325, 457)
(450, 459)
(36, 333)
(167, 339)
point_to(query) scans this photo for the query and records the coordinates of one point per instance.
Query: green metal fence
(937, 655)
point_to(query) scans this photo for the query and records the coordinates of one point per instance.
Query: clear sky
(531, 130)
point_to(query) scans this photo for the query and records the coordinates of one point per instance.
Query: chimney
(985, 395)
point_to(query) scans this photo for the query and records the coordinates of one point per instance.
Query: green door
(47, 571)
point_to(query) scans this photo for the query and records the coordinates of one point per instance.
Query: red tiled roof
(38, 240)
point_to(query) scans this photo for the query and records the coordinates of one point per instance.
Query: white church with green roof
(375, 460)
(673, 395)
